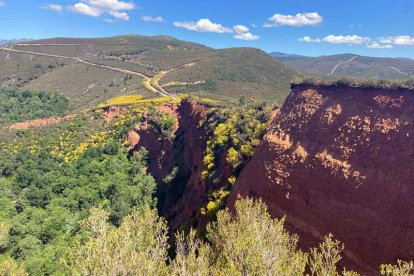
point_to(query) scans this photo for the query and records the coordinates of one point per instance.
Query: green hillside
(231, 73)
(91, 71)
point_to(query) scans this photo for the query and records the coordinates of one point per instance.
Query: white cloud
(2, 4)
(375, 45)
(153, 19)
(53, 7)
(96, 8)
(109, 20)
(85, 9)
(397, 40)
(243, 33)
(246, 36)
(338, 39)
(298, 20)
(241, 29)
(112, 5)
(346, 39)
(203, 25)
(309, 39)
(381, 43)
(119, 15)
(206, 25)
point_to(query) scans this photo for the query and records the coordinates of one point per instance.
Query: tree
(193, 256)
(4, 232)
(250, 242)
(401, 269)
(138, 247)
(233, 157)
(8, 267)
(323, 260)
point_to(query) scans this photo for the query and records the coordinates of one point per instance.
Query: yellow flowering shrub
(125, 100)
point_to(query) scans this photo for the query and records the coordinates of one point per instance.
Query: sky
(307, 27)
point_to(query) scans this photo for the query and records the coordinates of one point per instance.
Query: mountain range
(350, 65)
(11, 41)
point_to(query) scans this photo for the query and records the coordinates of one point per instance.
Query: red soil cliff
(148, 135)
(187, 193)
(340, 160)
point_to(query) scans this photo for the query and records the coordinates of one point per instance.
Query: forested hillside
(49, 182)
(18, 106)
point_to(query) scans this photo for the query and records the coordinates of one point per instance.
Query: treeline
(18, 106)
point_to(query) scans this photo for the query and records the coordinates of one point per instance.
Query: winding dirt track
(147, 79)
(161, 74)
(339, 64)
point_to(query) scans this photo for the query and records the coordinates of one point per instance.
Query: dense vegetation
(234, 132)
(248, 243)
(17, 106)
(49, 182)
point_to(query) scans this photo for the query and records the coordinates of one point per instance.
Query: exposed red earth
(185, 150)
(112, 112)
(41, 122)
(340, 160)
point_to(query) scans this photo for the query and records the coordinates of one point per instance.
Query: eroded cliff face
(159, 147)
(176, 163)
(190, 144)
(340, 160)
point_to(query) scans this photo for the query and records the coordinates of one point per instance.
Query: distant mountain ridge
(284, 55)
(351, 65)
(11, 41)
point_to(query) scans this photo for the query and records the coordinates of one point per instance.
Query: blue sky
(308, 27)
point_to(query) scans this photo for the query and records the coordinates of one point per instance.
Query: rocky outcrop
(340, 160)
